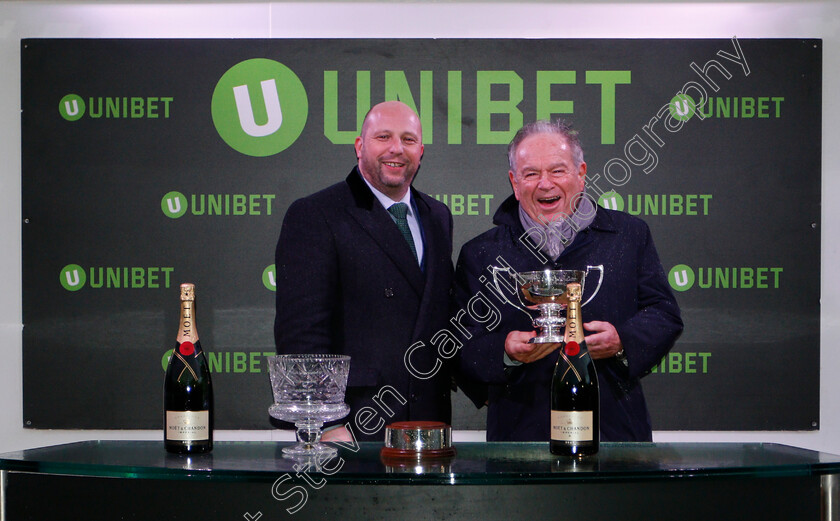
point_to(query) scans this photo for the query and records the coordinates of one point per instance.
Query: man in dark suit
(364, 269)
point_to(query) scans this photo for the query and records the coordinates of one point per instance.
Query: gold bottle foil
(574, 321)
(186, 328)
(187, 291)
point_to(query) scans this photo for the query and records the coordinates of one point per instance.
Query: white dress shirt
(411, 216)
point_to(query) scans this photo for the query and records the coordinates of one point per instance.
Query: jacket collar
(361, 193)
(377, 222)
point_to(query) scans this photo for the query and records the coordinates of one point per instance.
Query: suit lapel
(433, 245)
(378, 224)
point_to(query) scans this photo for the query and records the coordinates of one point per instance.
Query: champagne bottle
(187, 391)
(575, 416)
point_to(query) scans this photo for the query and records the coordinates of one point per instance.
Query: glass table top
(474, 463)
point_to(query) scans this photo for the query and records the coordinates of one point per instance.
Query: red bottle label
(186, 348)
(572, 348)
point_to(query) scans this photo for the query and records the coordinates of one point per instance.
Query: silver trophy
(308, 391)
(546, 291)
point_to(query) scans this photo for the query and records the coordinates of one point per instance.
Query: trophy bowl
(308, 391)
(548, 286)
(544, 290)
(547, 289)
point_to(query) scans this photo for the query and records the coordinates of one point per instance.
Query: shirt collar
(386, 201)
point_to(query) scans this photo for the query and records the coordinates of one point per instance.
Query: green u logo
(259, 107)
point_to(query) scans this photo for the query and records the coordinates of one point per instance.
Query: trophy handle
(513, 275)
(600, 269)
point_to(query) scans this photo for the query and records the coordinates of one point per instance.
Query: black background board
(93, 190)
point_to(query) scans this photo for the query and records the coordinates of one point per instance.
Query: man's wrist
(621, 356)
(510, 362)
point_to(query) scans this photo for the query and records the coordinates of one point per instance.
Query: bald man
(364, 269)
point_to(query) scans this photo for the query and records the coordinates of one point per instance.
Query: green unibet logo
(259, 107)
(269, 278)
(682, 107)
(72, 277)
(174, 205)
(611, 201)
(71, 107)
(681, 277)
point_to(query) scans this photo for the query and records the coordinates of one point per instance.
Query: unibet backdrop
(147, 163)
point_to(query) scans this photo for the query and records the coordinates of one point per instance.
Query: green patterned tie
(399, 210)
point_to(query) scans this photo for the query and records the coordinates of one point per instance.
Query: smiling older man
(550, 223)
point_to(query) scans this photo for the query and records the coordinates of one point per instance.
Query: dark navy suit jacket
(348, 283)
(635, 298)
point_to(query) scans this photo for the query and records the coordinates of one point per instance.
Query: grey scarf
(554, 236)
